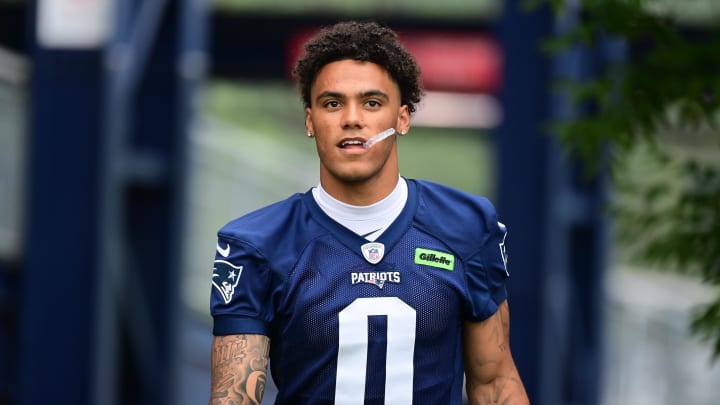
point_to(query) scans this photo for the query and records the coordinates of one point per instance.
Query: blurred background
(131, 131)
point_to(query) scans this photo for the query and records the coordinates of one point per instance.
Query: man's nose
(352, 116)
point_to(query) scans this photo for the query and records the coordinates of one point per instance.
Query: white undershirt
(369, 221)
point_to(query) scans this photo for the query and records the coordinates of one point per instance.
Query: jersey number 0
(353, 350)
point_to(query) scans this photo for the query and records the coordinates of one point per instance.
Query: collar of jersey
(352, 240)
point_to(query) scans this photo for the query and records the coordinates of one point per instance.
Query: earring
(309, 134)
(403, 132)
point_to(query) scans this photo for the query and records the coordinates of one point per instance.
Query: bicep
(239, 369)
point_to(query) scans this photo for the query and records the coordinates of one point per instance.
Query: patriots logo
(376, 281)
(503, 249)
(225, 278)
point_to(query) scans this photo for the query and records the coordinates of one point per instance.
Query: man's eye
(332, 104)
(373, 103)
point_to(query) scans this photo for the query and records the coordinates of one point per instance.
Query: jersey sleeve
(242, 285)
(487, 273)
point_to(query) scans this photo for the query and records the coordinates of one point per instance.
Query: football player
(369, 288)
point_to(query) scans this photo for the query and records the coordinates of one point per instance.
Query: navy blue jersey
(358, 322)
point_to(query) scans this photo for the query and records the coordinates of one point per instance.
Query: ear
(403, 122)
(308, 121)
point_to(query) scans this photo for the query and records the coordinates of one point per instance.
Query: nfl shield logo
(373, 252)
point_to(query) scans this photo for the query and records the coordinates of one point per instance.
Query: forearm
(239, 369)
(503, 389)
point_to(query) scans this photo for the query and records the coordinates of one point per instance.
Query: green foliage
(664, 101)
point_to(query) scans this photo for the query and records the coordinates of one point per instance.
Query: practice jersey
(358, 322)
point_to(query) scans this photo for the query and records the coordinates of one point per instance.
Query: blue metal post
(557, 235)
(103, 248)
(160, 59)
(522, 193)
(58, 280)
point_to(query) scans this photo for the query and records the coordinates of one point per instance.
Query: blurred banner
(73, 24)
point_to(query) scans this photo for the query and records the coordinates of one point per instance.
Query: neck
(361, 193)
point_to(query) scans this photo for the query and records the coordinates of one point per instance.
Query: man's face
(352, 101)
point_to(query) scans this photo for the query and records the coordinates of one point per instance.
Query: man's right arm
(239, 369)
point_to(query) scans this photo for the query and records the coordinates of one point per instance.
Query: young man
(369, 288)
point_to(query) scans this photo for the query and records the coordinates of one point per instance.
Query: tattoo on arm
(239, 369)
(504, 321)
(500, 335)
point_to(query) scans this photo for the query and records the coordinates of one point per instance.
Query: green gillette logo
(434, 258)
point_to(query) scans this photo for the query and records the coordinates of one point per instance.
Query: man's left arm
(490, 371)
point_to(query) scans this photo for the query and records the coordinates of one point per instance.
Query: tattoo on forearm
(239, 369)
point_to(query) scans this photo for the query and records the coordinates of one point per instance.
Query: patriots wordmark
(377, 278)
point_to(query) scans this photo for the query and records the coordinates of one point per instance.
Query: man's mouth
(351, 143)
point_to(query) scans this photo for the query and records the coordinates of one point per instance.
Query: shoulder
(450, 203)
(454, 214)
(266, 224)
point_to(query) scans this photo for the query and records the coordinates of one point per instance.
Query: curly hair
(361, 41)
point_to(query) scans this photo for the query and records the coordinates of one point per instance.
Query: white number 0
(352, 354)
